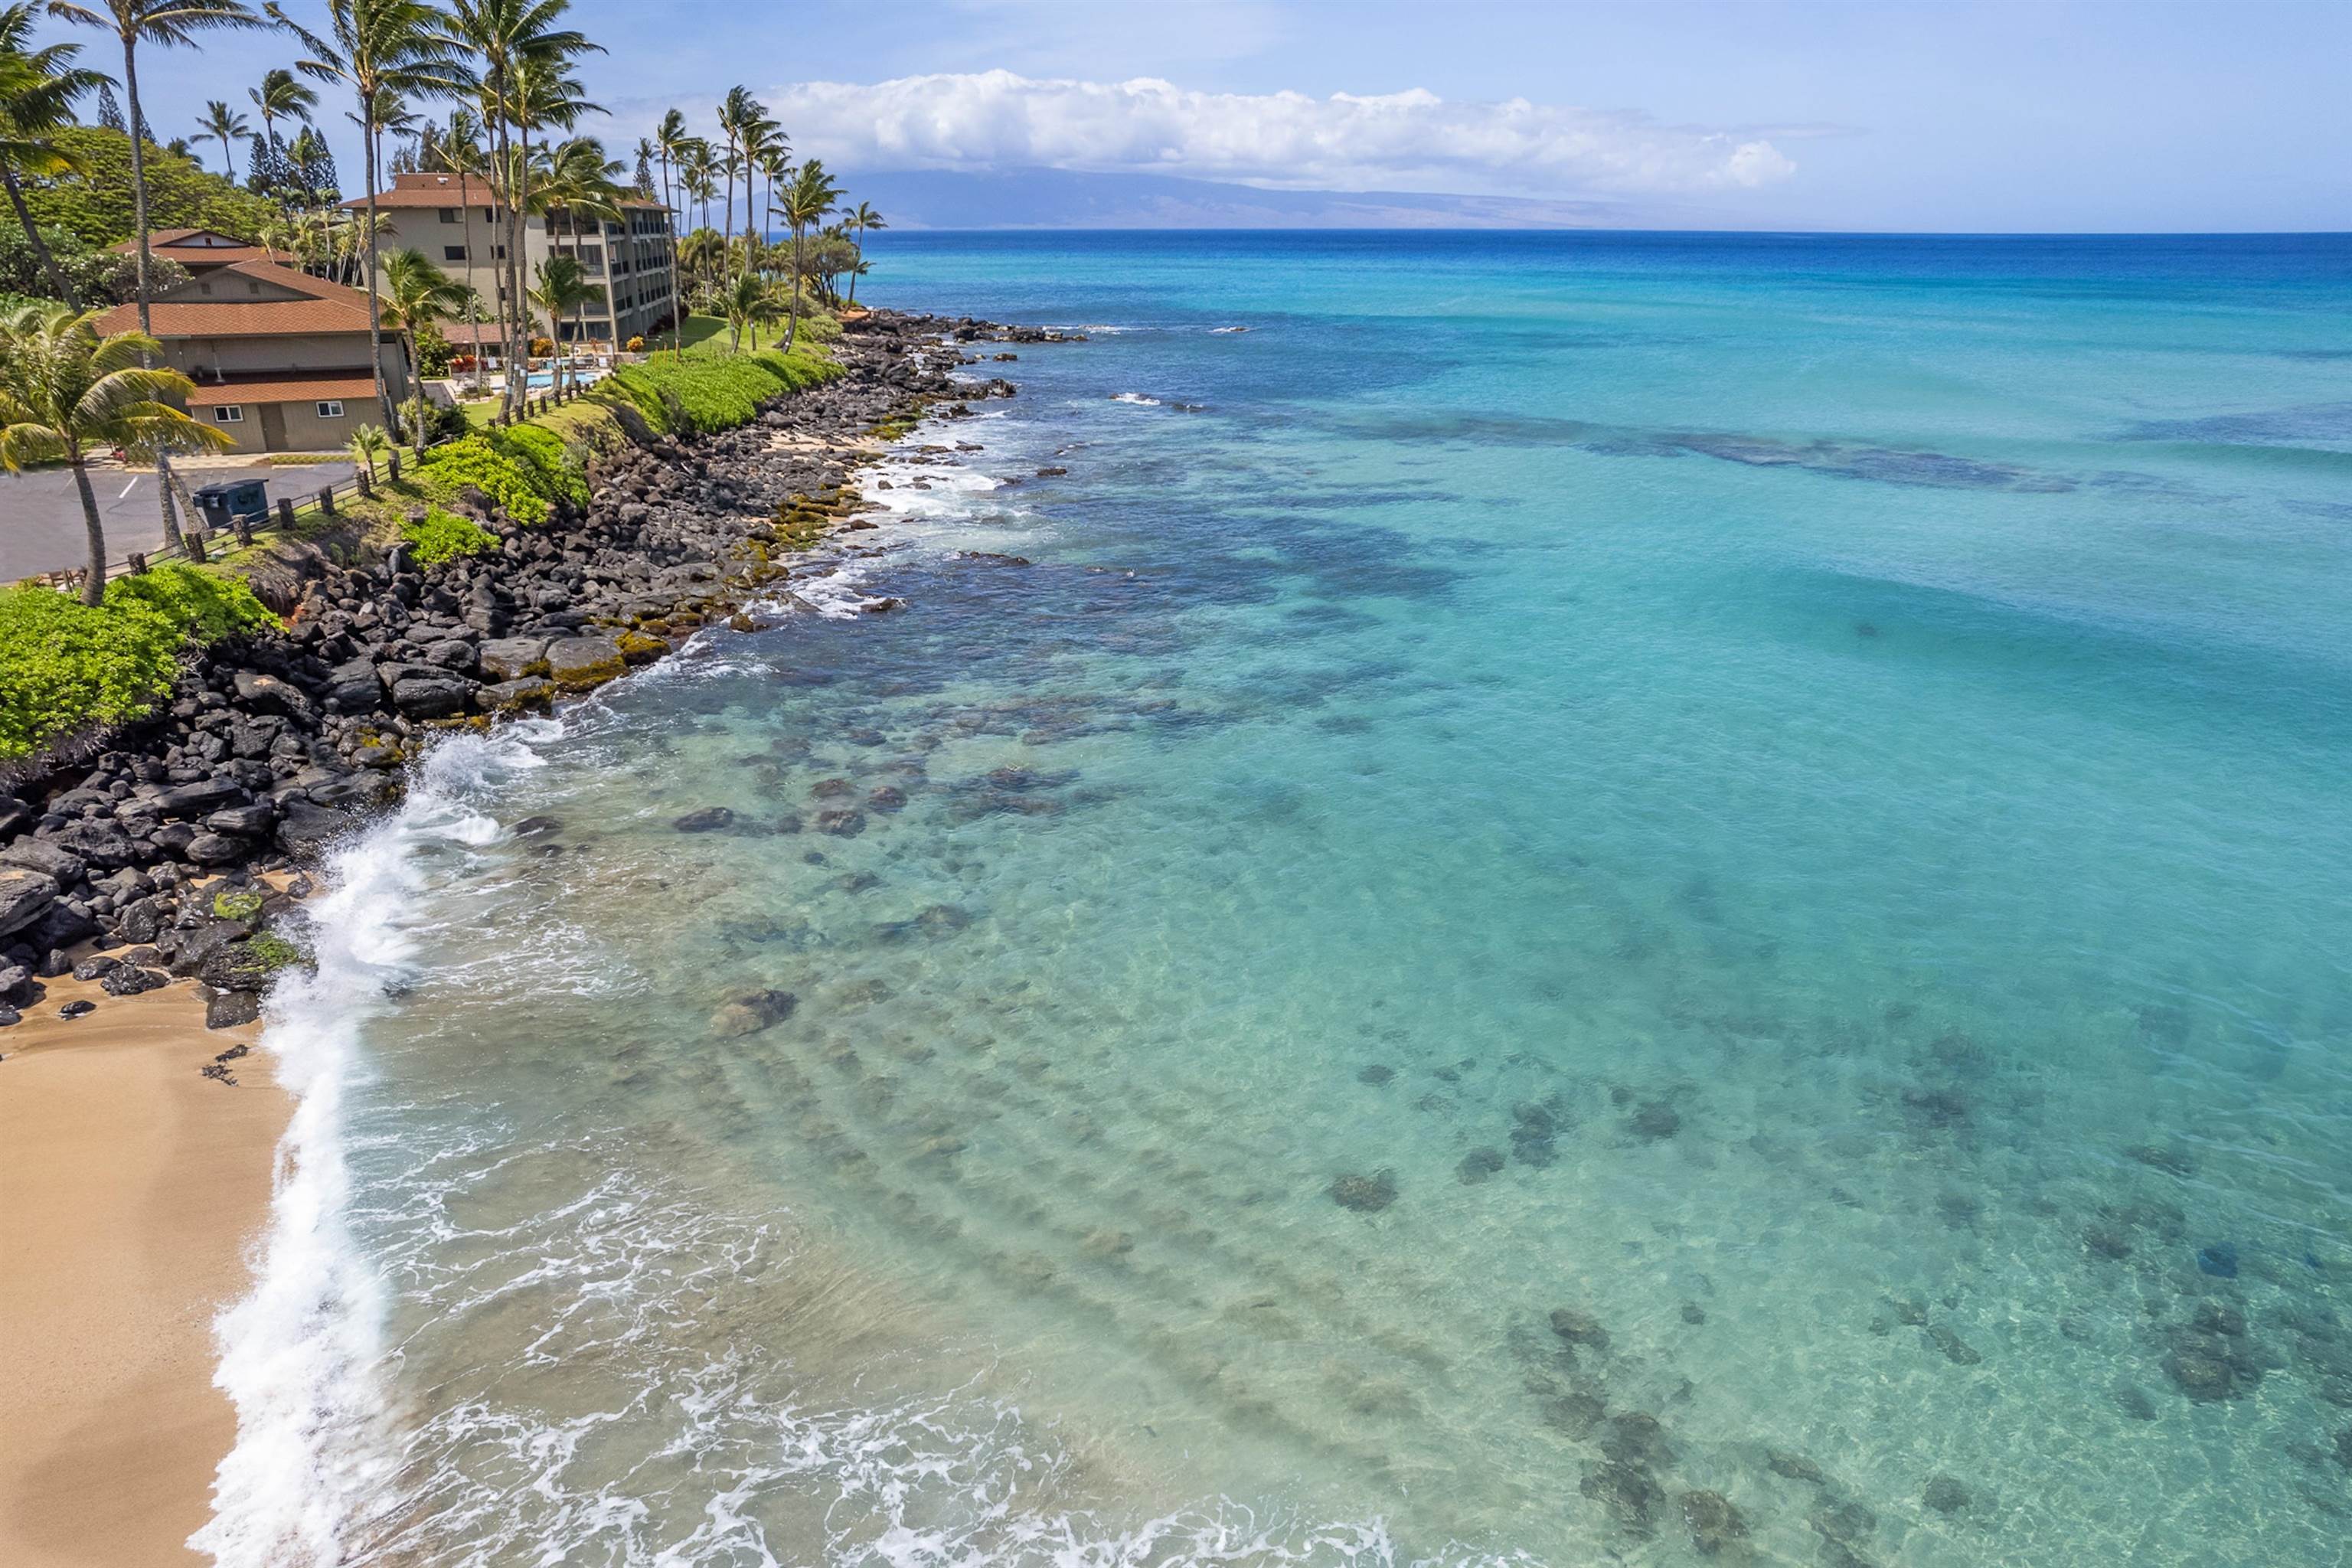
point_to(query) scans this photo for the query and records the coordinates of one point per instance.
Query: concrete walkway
(40, 516)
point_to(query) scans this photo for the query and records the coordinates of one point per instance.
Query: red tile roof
(293, 387)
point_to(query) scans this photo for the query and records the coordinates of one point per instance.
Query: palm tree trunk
(32, 237)
(409, 338)
(669, 239)
(93, 587)
(792, 298)
(858, 249)
(139, 223)
(368, 152)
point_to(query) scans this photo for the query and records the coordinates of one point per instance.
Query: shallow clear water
(1783, 797)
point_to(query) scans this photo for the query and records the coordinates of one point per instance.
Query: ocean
(1550, 898)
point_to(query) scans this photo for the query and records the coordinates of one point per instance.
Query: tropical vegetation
(487, 90)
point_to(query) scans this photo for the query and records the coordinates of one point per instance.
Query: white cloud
(1403, 139)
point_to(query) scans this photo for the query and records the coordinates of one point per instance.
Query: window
(448, 215)
(330, 410)
(452, 253)
(228, 414)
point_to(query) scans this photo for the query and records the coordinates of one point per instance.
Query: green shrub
(479, 460)
(711, 395)
(444, 536)
(66, 669)
(553, 472)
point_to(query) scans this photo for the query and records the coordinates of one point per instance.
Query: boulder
(216, 850)
(197, 799)
(129, 980)
(267, 694)
(249, 821)
(227, 1009)
(578, 663)
(99, 843)
(60, 864)
(512, 658)
(439, 695)
(307, 829)
(506, 696)
(710, 819)
(25, 897)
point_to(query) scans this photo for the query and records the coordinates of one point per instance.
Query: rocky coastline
(168, 852)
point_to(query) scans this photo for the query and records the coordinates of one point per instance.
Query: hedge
(711, 394)
(68, 667)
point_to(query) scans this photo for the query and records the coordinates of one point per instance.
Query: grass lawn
(706, 338)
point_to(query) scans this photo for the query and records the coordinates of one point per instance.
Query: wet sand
(129, 1189)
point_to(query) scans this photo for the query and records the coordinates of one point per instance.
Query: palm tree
(863, 219)
(500, 41)
(810, 196)
(416, 293)
(63, 388)
(747, 300)
(165, 24)
(368, 443)
(562, 288)
(382, 50)
(698, 175)
(671, 144)
(579, 180)
(280, 96)
(744, 121)
(38, 89)
(227, 126)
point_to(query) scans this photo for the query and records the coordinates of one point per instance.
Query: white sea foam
(300, 1355)
(1135, 397)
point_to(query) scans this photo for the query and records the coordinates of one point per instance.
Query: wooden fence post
(286, 513)
(367, 490)
(136, 560)
(391, 459)
(327, 501)
(241, 525)
(194, 538)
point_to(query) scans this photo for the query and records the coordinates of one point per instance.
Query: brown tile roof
(294, 386)
(330, 308)
(168, 243)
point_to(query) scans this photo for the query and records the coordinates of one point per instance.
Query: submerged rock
(2134, 1404)
(1945, 1495)
(1635, 1437)
(1630, 1493)
(1957, 1350)
(1578, 1328)
(710, 819)
(2220, 1260)
(1376, 1075)
(751, 1011)
(1713, 1523)
(1477, 1166)
(1365, 1194)
(1848, 1523)
(1794, 1467)
(1655, 1119)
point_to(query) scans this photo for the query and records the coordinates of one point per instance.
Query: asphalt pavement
(40, 516)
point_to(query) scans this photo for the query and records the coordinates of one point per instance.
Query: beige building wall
(630, 259)
(304, 428)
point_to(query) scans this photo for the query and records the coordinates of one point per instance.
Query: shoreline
(135, 1198)
(131, 1194)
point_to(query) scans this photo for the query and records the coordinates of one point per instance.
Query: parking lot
(40, 516)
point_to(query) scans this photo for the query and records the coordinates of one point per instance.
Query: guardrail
(287, 515)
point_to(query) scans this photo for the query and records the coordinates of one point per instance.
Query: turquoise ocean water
(1598, 899)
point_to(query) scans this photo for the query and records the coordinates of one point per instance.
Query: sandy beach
(129, 1189)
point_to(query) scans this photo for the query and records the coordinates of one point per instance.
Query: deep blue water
(1598, 896)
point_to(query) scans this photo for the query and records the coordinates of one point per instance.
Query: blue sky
(1960, 116)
